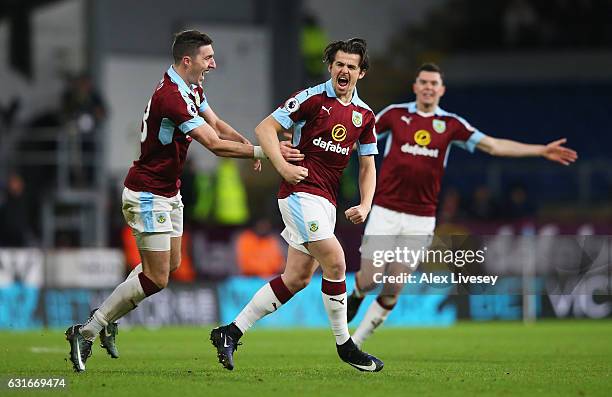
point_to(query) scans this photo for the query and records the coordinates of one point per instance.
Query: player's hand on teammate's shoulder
(559, 154)
(290, 153)
(357, 214)
(293, 174)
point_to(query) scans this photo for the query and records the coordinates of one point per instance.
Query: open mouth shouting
(343, 82)
(202, 76)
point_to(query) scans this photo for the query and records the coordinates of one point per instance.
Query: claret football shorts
(307, 218)
(154, 219)
(387, 230)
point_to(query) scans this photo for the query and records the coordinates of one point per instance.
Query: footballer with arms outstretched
(177, 113)
(420, 135)
(327, 120)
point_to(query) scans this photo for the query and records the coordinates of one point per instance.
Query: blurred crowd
(483, 206)
(513, 24)
(558, 23)
(35, 150)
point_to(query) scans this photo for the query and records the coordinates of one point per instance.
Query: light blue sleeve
(297, 105)
(367, 149)
(471, 143)
(192, 124)
(204, 105)
(282, 116)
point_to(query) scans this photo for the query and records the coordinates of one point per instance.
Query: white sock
(93, 326)
(261, 304)
(123, 299)
(334, 300)
(374, 317)
(135, 271)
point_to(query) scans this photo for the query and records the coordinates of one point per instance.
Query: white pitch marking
(41, 349)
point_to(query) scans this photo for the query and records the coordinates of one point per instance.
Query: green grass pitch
(556, 358)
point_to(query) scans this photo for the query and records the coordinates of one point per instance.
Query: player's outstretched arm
(267, 133)
(553, 151)
(226, 131)
(223, 129)
(367, 185)
(206, 136)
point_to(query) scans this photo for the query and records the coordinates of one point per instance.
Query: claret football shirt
(325, 130)
(415, 155)
(172, 112)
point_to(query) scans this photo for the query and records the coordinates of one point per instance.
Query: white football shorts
(307, 218)
(154, 219)
(387, 230)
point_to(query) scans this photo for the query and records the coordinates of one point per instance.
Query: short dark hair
(186, 43)
(429, 67)
(350, 46)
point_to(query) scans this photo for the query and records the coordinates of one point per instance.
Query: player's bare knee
(367, 266)
(299, 285)
(296, 282)
(336, 270)
(365, 281)
(366, 286)
(304, 280)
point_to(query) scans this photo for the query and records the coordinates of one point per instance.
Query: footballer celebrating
(327, 120)
(420, 135)
(177, 113)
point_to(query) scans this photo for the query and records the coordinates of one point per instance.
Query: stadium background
(76, 75)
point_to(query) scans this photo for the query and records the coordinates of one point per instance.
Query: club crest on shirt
(357, 118)
(292, 105)
(439, 126)
(313, 226)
